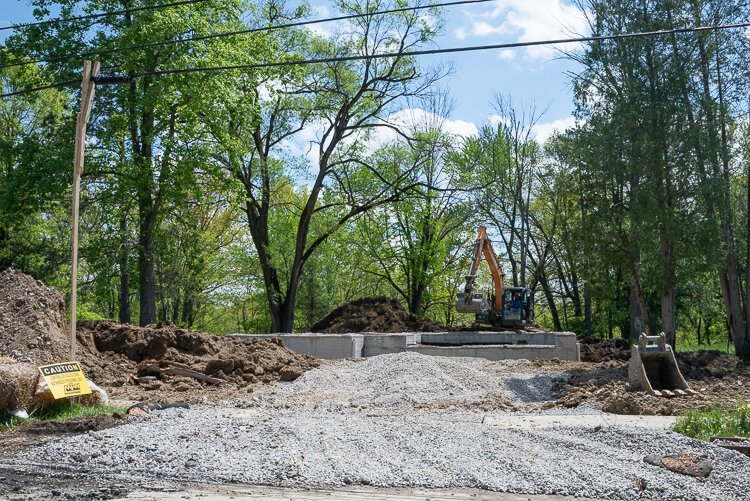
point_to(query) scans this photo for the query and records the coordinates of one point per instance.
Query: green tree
(343, 101)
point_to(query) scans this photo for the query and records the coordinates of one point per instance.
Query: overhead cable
(391, 55)
(99, 14)
(449, 50)
(211, 36)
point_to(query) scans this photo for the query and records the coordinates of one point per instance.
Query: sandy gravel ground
(397, 421)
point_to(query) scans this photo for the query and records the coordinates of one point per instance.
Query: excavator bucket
(471, 303)
(653, 368)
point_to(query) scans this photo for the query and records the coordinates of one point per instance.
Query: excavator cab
(518, 306)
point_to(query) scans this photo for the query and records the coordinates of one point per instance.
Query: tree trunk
(668, 295)
(550, 301)
(636, 318)
(700, 323)
(587, 326)
(146, 275)
(639, 318)
(125, 315)
(575, 295)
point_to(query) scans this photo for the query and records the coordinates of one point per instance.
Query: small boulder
(290, 373)
(684, 463)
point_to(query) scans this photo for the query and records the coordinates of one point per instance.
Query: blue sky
(529, 76)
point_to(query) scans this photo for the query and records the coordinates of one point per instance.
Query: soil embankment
(33, 331)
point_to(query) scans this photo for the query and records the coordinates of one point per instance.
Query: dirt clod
(373, 314)
(77, 425)
(684, 463)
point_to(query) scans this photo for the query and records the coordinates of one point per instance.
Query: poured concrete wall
(380, 344)
(564, 347)
(489, 345)
(328, 346)
(488, 337)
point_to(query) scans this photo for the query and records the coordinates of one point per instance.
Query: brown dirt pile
(595, 349)
(235, 361)
(373, 314)
(708, 364)
(33, 329)
(719, 378)
(32, 320)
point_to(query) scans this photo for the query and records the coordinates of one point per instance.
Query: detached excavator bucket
(653, 368)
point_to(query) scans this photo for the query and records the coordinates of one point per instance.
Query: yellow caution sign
(65, 379)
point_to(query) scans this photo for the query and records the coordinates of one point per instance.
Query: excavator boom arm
(483, 247)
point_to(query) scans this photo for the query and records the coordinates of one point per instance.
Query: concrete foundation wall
(489, 345)
(489, 337)
(380, 344)
(328, 346)
(565, 347)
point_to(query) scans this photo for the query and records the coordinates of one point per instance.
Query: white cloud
(483, 29)
(428, 20)
(460, 33)
(321, 11)
(527, 21)
(506, 55)
(420, 119)
(495, 120)
(267, 88)
(544, 131)
(321, 29)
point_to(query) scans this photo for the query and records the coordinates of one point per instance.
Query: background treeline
(258, 199)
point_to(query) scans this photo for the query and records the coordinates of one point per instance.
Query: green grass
(693, 345)
(715, 422)
(59, 412)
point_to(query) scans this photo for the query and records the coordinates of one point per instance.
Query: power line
(390, 55)
(100, 14)
(43, 87)
(244, 32)
(449, 50)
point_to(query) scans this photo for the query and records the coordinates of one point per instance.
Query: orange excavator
(503, 306)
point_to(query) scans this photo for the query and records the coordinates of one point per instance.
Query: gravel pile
(410, 380)
(291, 447)
(334, 426)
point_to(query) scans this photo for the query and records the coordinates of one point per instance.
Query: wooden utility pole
(90, 72)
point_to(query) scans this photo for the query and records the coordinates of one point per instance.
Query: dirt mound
(595, 349)
(373, 314)
(33, 329)
(719, 378)
(705, 364)
(111, 353)
(32, 320)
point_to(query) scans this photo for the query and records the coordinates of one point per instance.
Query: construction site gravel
(384, 424)
(394, 421)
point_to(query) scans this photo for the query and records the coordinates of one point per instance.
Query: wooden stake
(90, 72)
